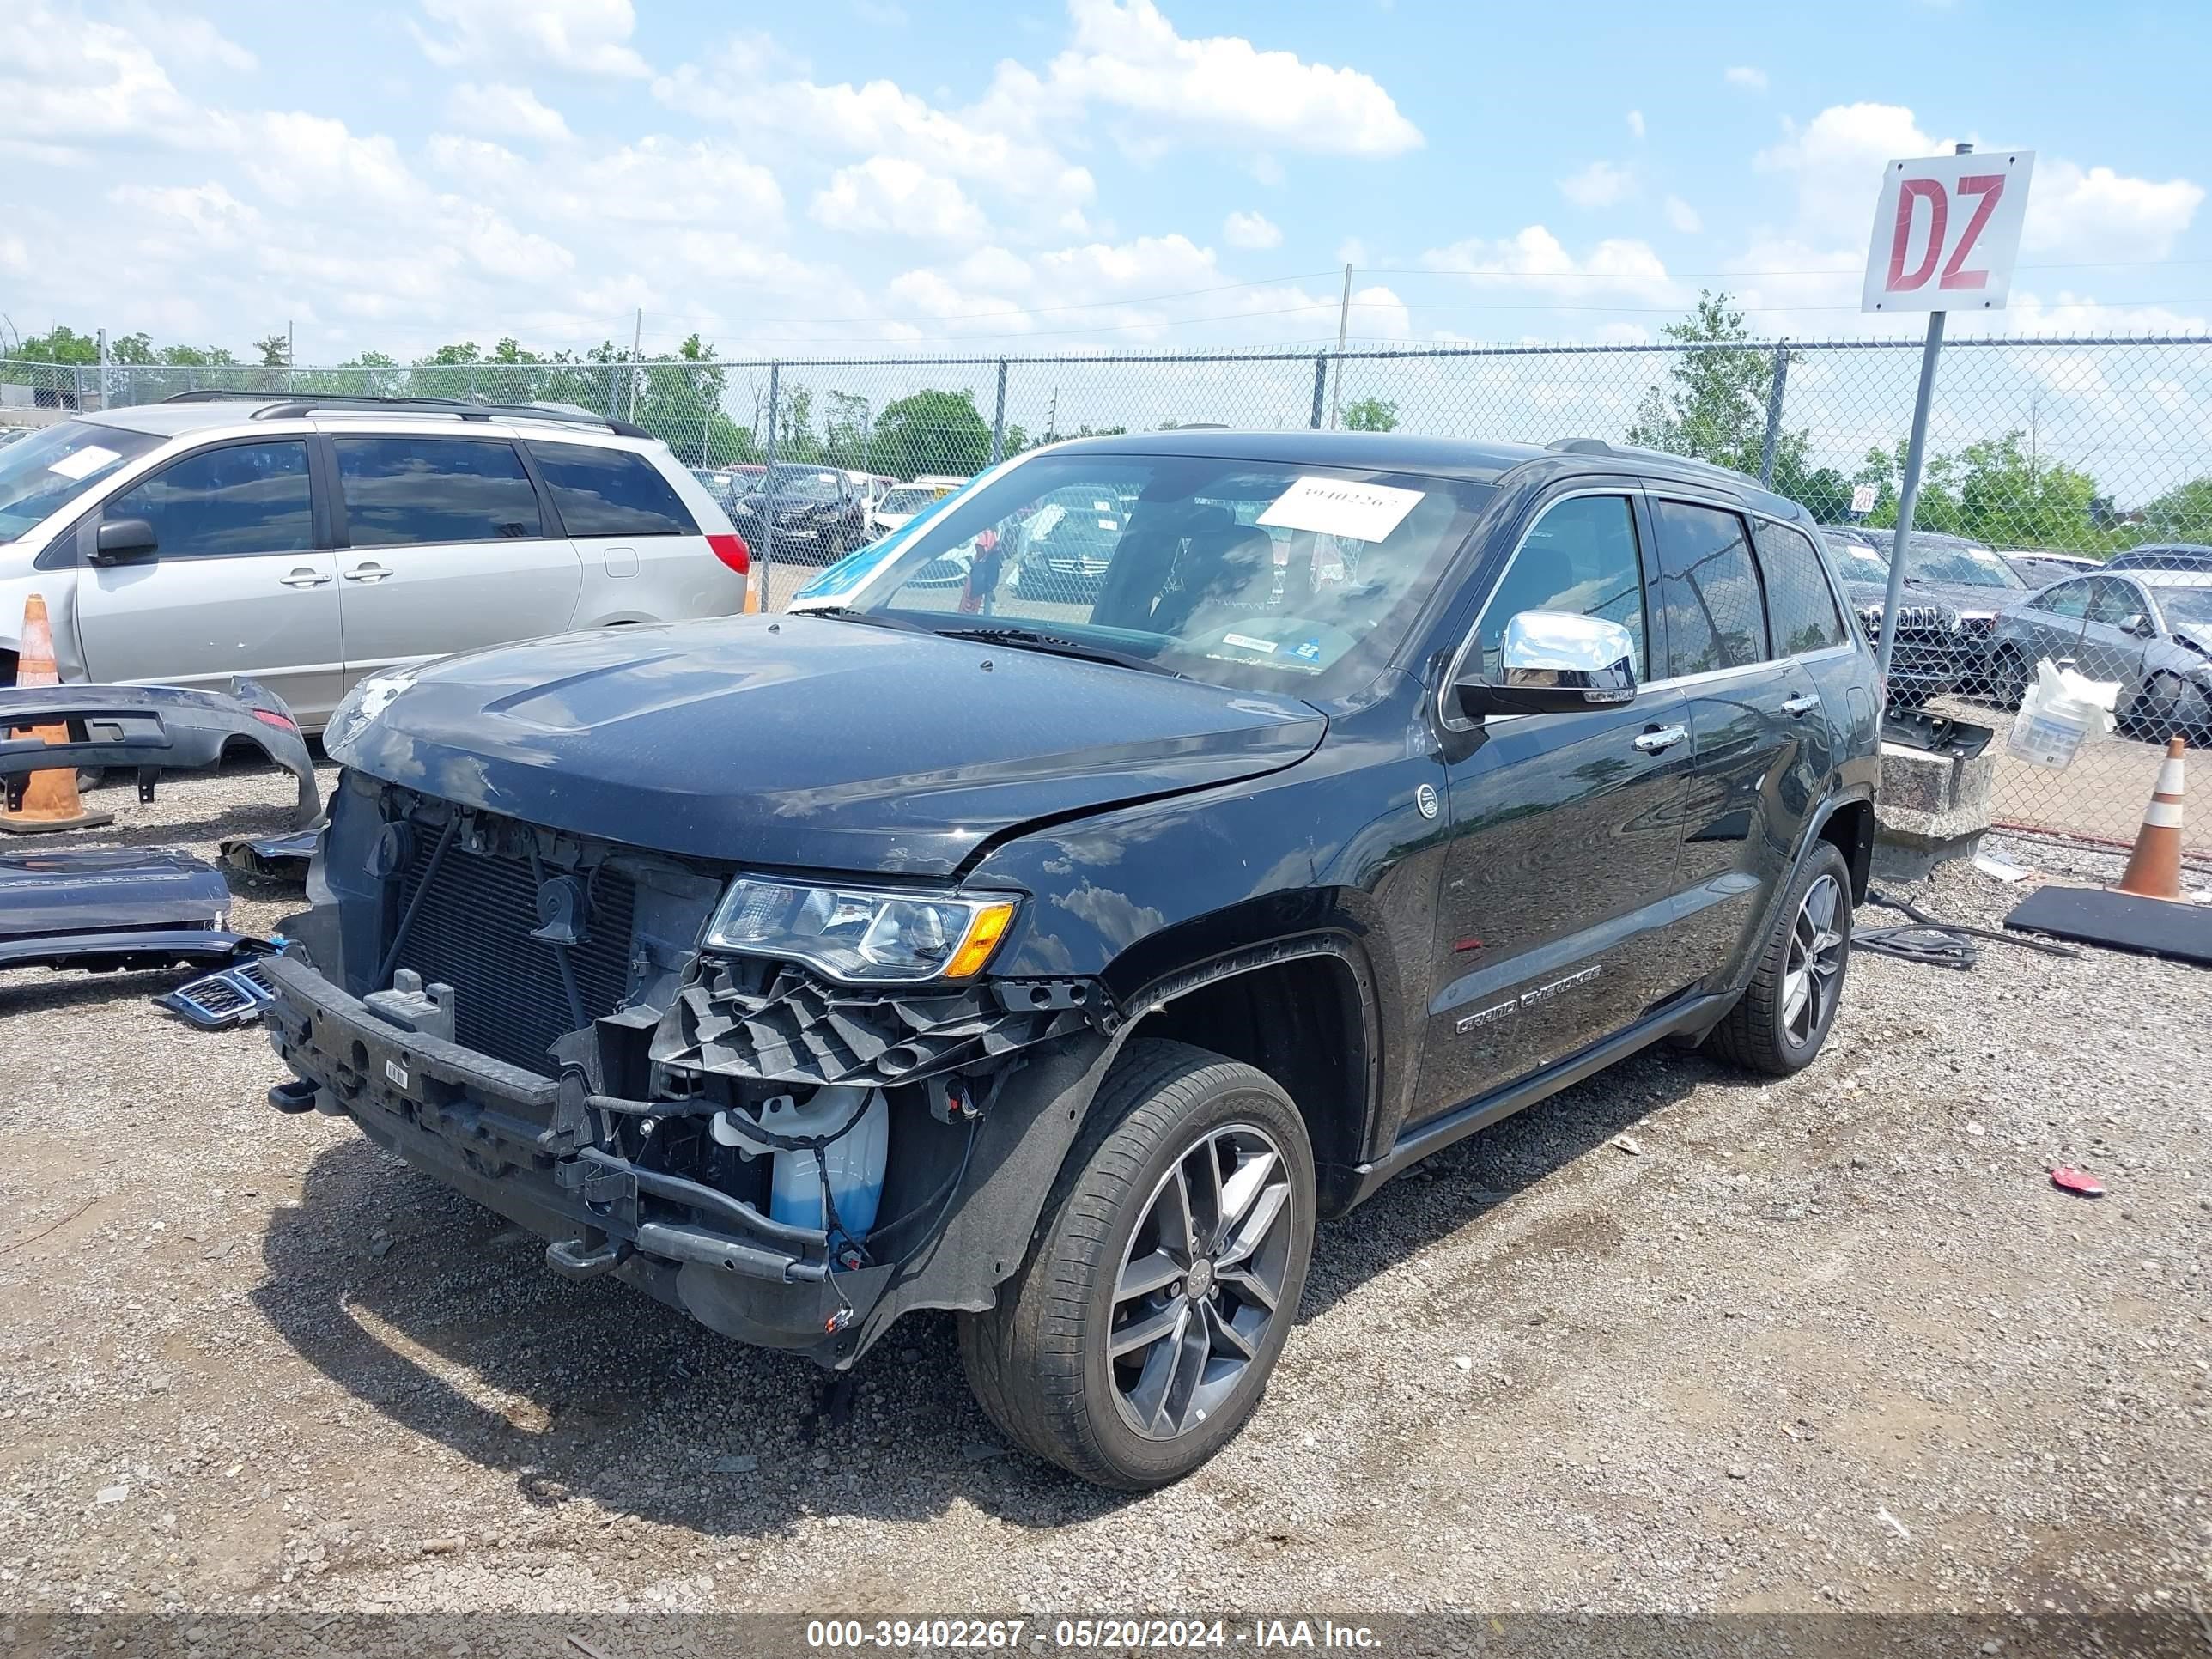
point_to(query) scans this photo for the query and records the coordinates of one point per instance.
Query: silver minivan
(312, 541)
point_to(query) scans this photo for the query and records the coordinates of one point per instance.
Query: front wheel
(1797, 984)
(1139, 1334)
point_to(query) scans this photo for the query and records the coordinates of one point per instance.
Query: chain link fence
(2047, 458)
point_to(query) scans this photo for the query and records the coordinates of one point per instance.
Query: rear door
(1565, 830)
(238, 582)
(1757, 742)
(642, 546)
(442, 548)
(2053, 621)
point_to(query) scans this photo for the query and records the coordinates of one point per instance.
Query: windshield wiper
(872, 618)
(1057, 645)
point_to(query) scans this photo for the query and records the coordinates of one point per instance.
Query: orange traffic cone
(50, 798)
(2155, 867)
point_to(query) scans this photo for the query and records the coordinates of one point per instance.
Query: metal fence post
(1320, 388)
(998, 419)
(767, 496)
(1776, 384)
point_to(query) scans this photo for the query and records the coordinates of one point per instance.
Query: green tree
(61, 345)
(275, 351)
(1370, 414)
(1714, 405)
(935, 431)
(2183, 513)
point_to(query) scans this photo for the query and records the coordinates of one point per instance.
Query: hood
(2198, 634)
(807, 744)
(1946, 594)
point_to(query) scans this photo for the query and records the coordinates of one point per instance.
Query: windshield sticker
(1310, 651)
(1101, 506)
(1333, 507)
(85, 461)
(1245, 643)
(1107, 524)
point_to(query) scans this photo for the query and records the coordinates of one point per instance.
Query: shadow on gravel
(440, 1316)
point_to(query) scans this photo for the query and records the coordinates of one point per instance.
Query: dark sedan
(819, 514)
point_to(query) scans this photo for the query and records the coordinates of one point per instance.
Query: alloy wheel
(1201, 1281)
(1814, 965)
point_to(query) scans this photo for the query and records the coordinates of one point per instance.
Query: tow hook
(572, 1258)
(294, 1095)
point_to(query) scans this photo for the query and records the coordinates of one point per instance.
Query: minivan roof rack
(280, 406)
(1644, 451)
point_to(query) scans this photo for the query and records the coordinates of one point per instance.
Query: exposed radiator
(473, 933)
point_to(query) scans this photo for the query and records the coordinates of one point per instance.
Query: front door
(1559, 877)
(443, 550)
(234, 584)
(2111, 646)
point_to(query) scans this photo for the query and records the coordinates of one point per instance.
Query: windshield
(1857, 565)
(40, 474)
(1958, 565)
(1259, 575)
(909, 500)
(2185, 605)
(806, 483)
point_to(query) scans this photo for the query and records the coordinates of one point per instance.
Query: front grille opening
(473, 933)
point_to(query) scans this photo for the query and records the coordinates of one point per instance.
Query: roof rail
(280, 406)
(1646, 452)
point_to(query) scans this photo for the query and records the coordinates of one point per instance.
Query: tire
(2008, 677)
(1768, 1030)
(2155, 714)
(1039, 1361)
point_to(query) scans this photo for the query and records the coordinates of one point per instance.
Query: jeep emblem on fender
(1425, 799)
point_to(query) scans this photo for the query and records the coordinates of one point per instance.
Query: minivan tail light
(731, 550)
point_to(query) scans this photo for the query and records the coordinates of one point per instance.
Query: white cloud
(1745, 75)
(1377, 314)
(2071, 210)
(505, 110)
(1351, 251)
(65, 80)
(1681, 216)
(297, 159)
(1599, 184)
(1127, 55)
(180, 37)
(1534, 262)
(661, 180)
(209, 215)
(1635, 124)
(1835, 161)
(577, 37)
(1253, 230)
(889, 192)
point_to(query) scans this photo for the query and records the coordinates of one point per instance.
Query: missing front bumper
(490, 1130)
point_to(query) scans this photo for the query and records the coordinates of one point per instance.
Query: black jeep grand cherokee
(1061, 962)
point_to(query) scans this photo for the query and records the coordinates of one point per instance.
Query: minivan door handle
(1660, 739)
(367, 573)
(306, 576)
(1800, 706)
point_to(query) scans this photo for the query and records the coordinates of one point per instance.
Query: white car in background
(902, 501)
(310, 541)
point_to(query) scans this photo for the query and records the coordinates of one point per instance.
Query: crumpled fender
(163, 728)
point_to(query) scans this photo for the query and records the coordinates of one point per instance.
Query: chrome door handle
(305, 578)
(367, 573)
(1661, 738)
(1800, 705)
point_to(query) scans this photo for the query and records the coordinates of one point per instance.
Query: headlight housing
(864, 936)
(361, 707)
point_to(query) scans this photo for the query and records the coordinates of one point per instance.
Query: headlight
(860, 935)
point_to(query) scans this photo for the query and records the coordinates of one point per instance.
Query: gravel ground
(1831, 1343)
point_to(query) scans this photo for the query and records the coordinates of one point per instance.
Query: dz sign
(1948, 232)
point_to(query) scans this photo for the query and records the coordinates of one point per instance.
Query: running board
(1690, 1014)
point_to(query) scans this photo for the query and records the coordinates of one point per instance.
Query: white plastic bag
(2060, 709)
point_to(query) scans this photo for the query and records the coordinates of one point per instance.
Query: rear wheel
(1797, 985)
(1139, 1334)
(2008, 677)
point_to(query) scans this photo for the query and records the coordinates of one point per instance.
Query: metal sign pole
(768, 489)
(1908, 494)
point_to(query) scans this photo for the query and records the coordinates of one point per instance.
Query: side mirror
(120, 540)
(1554, 662)
(2140, 626)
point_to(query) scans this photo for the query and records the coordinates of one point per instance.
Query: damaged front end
(530, 1017)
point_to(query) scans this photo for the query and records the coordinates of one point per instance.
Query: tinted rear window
(1800, 606)
(402, 492)
(1709, 589)
(610, 492)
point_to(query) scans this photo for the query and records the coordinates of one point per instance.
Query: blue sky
(863, 174)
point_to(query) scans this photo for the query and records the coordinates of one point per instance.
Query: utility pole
(636, 351)
(1052, 419)
(103, 368)
(1908, 497)
(1343, 321)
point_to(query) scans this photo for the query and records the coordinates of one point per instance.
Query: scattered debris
(1463, 1362)
(217, 1001)
(442, 1547)
(982, 1451)
(1739, 1471)
(1974, 1128)
(111, 1494)
(1894, 1524)
(2067, 1179)
(1938, 942)
(1628, 1144)
(1997, 865)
